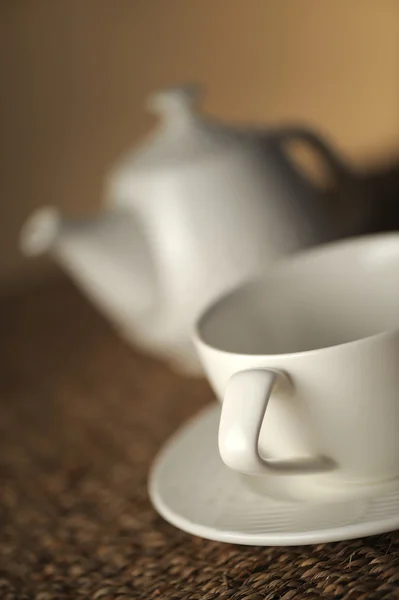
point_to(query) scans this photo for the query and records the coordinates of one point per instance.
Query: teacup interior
(332, 295)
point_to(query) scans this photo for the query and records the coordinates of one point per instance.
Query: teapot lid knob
(174, 101)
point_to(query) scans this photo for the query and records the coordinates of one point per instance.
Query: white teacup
(306, 363)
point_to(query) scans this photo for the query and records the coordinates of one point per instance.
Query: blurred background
(76, 75)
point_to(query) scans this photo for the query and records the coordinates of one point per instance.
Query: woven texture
(81, 418)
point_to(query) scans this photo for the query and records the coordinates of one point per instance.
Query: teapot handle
(352, 203)
(309, 137)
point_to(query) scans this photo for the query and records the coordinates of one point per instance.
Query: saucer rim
(311, 537)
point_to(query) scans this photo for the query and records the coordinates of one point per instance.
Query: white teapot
(198, 209)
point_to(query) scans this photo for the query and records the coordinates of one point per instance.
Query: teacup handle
(244, 407)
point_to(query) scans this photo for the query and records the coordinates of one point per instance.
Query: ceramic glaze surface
(326, 321)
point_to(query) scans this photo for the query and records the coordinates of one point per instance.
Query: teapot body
(197, 210)
(209, 225)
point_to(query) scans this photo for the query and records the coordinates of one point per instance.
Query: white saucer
(192, 489)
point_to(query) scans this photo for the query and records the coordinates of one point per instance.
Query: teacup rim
(280, 265)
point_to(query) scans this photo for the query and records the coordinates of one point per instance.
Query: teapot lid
(183, 136)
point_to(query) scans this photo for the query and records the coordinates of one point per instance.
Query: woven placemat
(81, 418)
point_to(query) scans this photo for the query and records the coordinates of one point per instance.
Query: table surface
(81, 418)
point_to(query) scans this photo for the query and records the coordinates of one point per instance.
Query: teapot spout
(41, 231)
(106, 255)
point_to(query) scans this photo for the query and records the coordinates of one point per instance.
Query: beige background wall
(77, 72)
